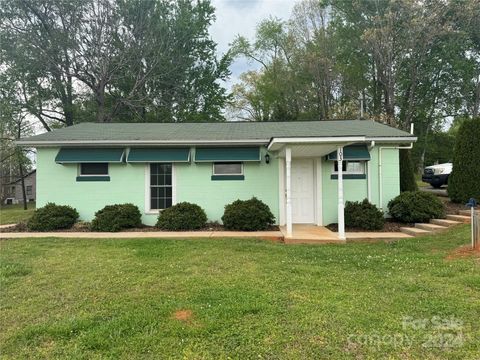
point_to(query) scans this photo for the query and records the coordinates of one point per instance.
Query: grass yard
(242, 299)
(12, 214)
(420, 183)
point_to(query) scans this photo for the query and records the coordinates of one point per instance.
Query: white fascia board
(138, 142)
(342, 140)
(314, 140)
(398, 140)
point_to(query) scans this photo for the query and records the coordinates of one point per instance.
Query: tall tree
(114, 60)
(397, 61)
(14, 160)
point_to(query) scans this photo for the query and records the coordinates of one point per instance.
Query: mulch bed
(390, 226)
(394, 226)
(451, 207)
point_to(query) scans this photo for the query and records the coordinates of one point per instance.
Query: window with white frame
(160, 186)
(356, 167)
(234, 168)
(93, 169)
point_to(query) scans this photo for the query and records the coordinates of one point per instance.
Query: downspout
(380, 182)
(369, 170)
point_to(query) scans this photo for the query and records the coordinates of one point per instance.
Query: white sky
(241, 17)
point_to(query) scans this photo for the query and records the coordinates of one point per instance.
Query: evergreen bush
(363, 215)
(407, 174)
(52, 217)
(182, 216)
(117, 217)
(416, 206)
(247, 215)
(464, 181)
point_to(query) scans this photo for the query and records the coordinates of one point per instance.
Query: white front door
(303, 197)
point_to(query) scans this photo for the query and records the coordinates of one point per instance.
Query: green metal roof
(99, 133)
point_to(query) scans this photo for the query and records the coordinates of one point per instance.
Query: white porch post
(341, 218)
(288, 189)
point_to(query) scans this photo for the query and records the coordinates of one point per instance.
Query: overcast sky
(241, 17)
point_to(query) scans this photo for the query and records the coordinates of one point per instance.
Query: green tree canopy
(113, 60)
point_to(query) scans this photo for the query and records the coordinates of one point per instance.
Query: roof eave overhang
(66, 143)
(277, 143)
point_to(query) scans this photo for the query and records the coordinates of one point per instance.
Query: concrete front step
(312, 241)
(459, 218)
(430, 227)
(414, 231)
(444, 222)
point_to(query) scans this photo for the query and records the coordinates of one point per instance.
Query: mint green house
(291, 166)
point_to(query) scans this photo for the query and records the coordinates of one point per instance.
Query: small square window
(350, 167)
(228, 169)
(29, 190)
(94, 169)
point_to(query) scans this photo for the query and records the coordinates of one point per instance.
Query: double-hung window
(160, 186)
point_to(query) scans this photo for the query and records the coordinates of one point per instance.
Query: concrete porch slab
(310, 234)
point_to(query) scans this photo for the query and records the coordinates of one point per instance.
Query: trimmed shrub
(52, 217)
(464, 181)
(247, 215)
(407, 175)
(116, 217)
(182, 216)
(416, 206)
(363, 215)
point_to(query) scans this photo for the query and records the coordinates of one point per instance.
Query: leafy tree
(14, 160)
(400, 61)
(464, 181)
(113, 60)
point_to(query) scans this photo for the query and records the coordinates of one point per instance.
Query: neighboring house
(291, 166)
(13, 191)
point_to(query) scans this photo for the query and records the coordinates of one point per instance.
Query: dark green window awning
(89, 155)
(227, 154)
(158, 155)
(352, 152)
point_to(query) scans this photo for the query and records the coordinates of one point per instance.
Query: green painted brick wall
(57, 183)
(194, 184)
(356, 189)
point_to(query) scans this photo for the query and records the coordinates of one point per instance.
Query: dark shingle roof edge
(213, 133)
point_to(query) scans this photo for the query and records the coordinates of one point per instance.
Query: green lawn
(12, 214)
(242, 299)
(420, 183)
